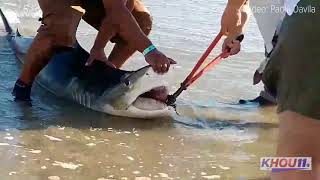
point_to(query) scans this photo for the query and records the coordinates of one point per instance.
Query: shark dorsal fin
(18, 33)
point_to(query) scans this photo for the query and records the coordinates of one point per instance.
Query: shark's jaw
(152, 100)
(141, 94)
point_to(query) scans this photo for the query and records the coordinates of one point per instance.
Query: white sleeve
(290, 5)
(268, 15)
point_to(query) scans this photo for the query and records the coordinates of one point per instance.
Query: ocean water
(213, 137)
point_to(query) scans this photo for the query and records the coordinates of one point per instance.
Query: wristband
(149, 49)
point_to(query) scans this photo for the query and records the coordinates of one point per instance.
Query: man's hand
(231, 45)
(233, 21)
(159, 62)
(98, 54)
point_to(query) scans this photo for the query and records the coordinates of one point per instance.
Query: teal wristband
(148, 49)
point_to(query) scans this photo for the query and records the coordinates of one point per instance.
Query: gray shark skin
(98, 87)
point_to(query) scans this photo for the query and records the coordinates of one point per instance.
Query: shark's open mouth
(159, 94)
(152, 100)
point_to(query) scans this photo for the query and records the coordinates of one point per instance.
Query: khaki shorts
(293, 72)
(60, 19)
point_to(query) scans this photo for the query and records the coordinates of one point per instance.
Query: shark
(135, 94)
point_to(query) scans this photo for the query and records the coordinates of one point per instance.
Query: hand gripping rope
(194, 75)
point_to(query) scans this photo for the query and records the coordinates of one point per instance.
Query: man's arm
(234, 18)
(120, 20)
(236, 3)
(231, 18)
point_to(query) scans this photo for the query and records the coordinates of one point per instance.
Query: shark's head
(140, 94)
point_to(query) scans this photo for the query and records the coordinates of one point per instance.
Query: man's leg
(298, 137)
(293, 75)
(57, 32)
(121, 51)
(37, 57)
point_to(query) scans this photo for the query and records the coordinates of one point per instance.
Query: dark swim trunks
(293, 72)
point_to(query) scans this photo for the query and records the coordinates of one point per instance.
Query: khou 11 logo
(278, 164)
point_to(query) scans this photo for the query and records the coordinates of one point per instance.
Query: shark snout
(135, 76)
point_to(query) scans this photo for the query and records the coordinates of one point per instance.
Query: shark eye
(127, 82)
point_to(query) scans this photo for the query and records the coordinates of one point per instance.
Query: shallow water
(212, 138)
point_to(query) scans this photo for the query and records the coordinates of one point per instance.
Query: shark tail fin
(6, 23)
